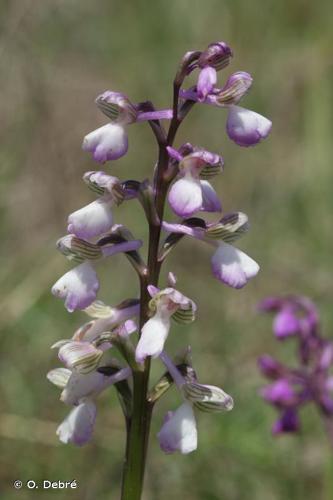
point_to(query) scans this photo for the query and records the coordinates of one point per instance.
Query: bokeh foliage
(56, 56)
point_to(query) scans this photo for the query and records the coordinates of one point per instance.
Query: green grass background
(56, 56)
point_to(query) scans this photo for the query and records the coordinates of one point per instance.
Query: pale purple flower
(179, 431)
(78, 287)
(78, 426)
(189, 194)
(229, 265)
(155, 331)
(110, 141)
(92, 220)
(245, 127)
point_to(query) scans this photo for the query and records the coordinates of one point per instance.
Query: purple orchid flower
(110, 142)
(229, 264)
(296, 317)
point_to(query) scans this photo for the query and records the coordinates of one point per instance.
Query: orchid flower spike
(164, 304)
(189, 193)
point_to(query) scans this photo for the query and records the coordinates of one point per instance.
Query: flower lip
(246, 127)
(109, 142)
(78, 287)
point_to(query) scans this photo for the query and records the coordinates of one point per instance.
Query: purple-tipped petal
(245, 127)
(179, 431)
(210, 200)
(233, 267)
(185, 196)
(78, 288)
(78, 426)
(109, 142)
(91, 220)
(206, 81)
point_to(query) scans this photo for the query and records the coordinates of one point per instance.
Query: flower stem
(139, 426)
(139, 423)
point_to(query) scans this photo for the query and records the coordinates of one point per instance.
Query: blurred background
(56, 57)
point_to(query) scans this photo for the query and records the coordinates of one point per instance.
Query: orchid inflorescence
(311, 380)
(138, 328)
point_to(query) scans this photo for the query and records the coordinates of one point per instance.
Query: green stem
(139, 423)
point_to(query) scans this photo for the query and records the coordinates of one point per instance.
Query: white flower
(92, 220)
(179, 431)
(78, 287)
(109, 142)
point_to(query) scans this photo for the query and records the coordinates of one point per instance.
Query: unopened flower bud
(217, 55)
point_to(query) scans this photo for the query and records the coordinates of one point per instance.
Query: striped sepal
(184, 316)
(210, 171)
(77, 249)
(230, 228)
(233, 93)
(98, 310)
(221, 62)
(207, 398)
(110, 109)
